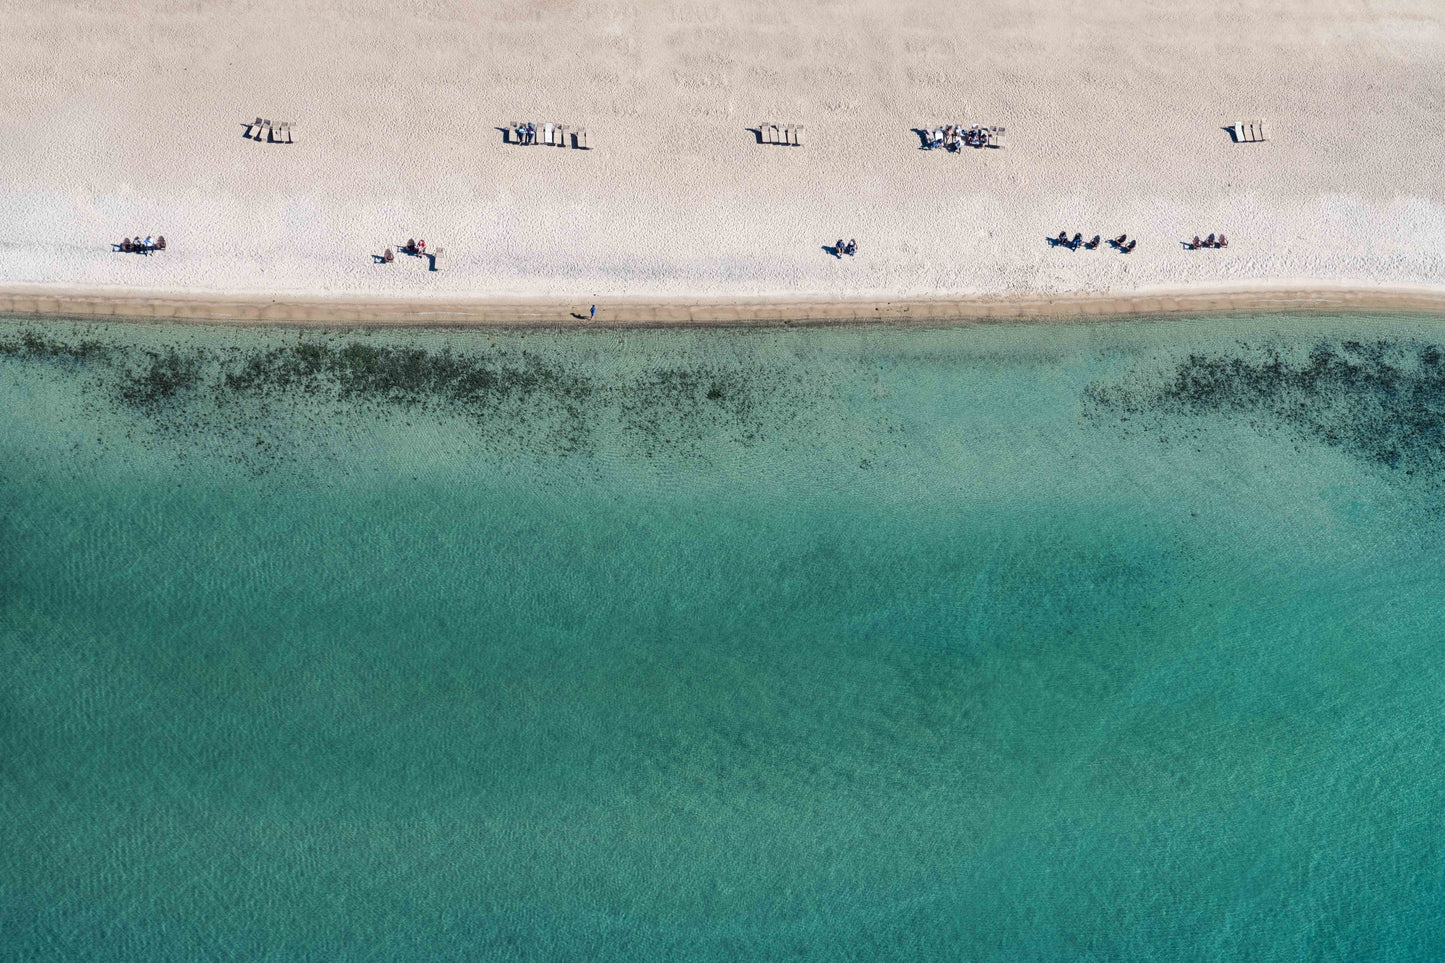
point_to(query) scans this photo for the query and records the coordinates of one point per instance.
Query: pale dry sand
(124, 118)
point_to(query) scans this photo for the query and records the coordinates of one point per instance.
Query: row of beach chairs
(1249, 132)
(955, 136)
(790, 135)
(278, 132)
(550, 135)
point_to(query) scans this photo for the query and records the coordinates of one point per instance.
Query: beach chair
(283, 129)
(995, 137)
(547, 134)
(769, 132)
(798, 135)
(579, 138)
(561, 136)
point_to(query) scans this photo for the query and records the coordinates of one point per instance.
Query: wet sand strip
(44, 302)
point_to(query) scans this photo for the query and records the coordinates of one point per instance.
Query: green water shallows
(1118, 641)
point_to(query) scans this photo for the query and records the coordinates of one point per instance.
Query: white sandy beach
(125, 119)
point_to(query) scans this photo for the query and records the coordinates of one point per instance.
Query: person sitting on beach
(410, 246)
(1074, 244)
(387, 256)
(1209, 241)
(1129, 248)
(1222, 242)
(851, 249)
(1195, 244)
(421, 246)
(1090, 245)
(149, 245)
(126, 246)
(838, 249)
(161, 243)
(1062, 239)
(1119, 241)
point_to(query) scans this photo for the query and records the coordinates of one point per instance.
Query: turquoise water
(1117, 641)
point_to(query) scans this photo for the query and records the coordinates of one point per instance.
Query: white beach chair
(547, 134)
(560, 136)
(579, 137)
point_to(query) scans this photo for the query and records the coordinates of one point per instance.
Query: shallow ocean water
(1106, 641)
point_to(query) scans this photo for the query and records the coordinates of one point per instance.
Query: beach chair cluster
(788, 135)
(1249, 132)
(1217, 242)
(955, 137)
(549, 135)
(140, 246)
(1123, 243)
(269, 132)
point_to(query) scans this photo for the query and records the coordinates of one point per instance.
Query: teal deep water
(1112, 641)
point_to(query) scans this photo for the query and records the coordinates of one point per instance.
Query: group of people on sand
(1210, 241)
(840, 249)
(956, 136)
(1120, 243)
(527, 133)
(413, 247)
(143, 247)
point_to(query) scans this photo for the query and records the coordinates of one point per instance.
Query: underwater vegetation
(1382, 401)
(226, 391)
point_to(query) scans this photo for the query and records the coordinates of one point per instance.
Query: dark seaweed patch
(259, 404)
(1381, 401)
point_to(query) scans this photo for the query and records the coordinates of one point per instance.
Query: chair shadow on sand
(924, 138)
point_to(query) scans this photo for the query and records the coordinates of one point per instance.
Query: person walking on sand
(593, 314)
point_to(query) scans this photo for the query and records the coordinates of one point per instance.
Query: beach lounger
(994, 137)
(770, 134)
(547, 134)
(798, 135)
(579, 138)
(561, 136)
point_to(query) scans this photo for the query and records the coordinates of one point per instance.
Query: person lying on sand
(1090, 245)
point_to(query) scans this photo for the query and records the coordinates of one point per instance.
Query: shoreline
(1295, 297)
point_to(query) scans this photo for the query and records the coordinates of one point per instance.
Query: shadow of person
(578, 316)
(925, 138)
(431, 262)
(834, 250)
(378, 259)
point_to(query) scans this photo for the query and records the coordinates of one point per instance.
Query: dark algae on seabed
(225, 385)
(1381, 400)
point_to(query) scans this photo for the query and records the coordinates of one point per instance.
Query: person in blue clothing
(594, 312)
